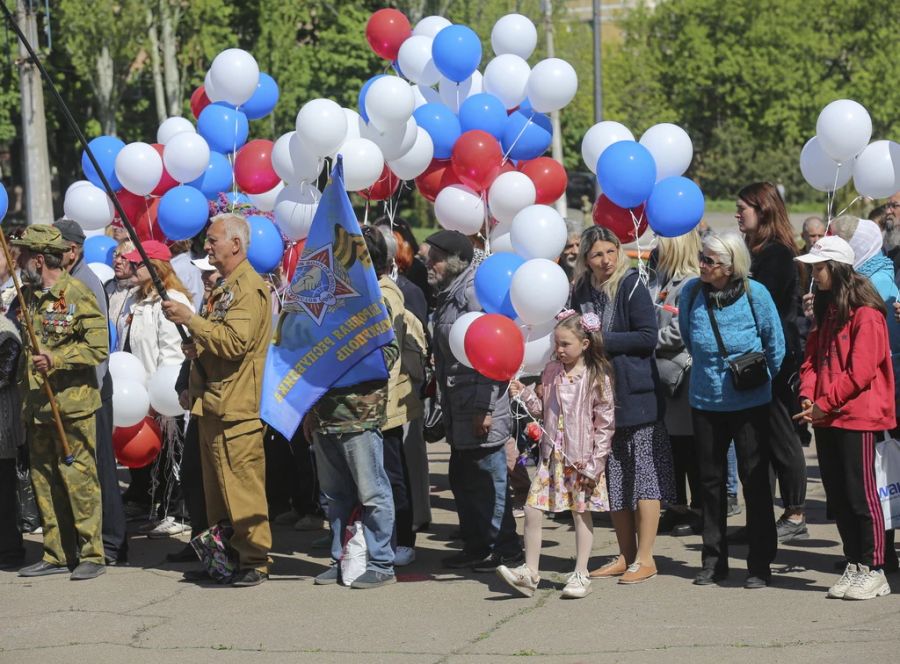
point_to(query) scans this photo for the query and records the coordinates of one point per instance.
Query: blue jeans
(351, 471)
(478, 479)
(731, 485)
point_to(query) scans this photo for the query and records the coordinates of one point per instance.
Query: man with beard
(570, 252)
(476, 417)
(72, 340)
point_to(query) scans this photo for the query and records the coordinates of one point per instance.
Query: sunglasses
(135, 264)
(706, 260)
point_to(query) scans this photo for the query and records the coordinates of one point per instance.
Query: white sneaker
(167, 527)
(309, 522)
(521, 578)
(578, 585)
(868, 584)
(148, 525)
(404, 555)
(839, 589)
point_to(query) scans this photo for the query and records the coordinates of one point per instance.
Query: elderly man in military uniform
(72, 340)
(230, 339)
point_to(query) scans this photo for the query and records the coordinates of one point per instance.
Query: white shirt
(153, 339)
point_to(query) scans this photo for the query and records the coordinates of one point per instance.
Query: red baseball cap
(154, 249)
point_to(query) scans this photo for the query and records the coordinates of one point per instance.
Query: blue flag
(334, 322)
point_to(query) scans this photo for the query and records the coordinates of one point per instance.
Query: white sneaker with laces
(147, 526)
(578, 585)
(404, 555)
(520, 578)
(839, 589)
(868, 584)
(167, 527)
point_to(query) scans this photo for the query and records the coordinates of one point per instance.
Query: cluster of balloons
(841, 150)
(136, 437)
(645, 176)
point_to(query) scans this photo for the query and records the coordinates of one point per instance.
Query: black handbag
(749, 370)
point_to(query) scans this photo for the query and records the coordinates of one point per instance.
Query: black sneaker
(708, 577)
(43, 568)
(87, 570)
(464, 560)
(329, 577)
(756, 581)
(790, 530)
(248, 578)
(496, 559)
(185, 554)
(733, 506)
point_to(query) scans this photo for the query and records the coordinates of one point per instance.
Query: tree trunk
(105, 89)
(174, 95)
(156, 67)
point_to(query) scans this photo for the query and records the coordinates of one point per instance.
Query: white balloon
(459, 208)
(510, 193)
(506, 77)
(396, 141)
(186, 156)
(539, 290)
(458, 335)
(209, 89)
(95, 233)
(551, 85)
(307, 166)
(514, 34)
(416, 160)
(539, 345)
(877, 170)
(172, 126)
(265, 202)
(88, 205)
(125, 366)
(599, 137)
(843, 129)
(355, 125)
(430, 26)
(139, 168)
(415, 60)
(501, 243)
(539, 231)
(161, 389)
(425, 95)
(234, 74)
(281, 158)
(453, 94)
(821, 171)
(389, 102)
(102, 271)
(295, 208)
(363, 164)
(131, 403)
(671, 148)
(322, 126)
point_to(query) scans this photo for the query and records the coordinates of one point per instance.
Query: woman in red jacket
(847, 393)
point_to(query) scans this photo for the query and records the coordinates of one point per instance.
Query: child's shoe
(520, 578)
(578, 585)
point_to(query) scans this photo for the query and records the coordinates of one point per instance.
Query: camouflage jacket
(359, 407)
(70, 328)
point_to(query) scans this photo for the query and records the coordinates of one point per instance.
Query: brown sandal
(613, 568)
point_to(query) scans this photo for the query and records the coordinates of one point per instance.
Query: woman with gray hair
(730, 391)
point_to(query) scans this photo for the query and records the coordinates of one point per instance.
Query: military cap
(42, 238)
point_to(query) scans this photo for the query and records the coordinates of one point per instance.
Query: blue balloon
(105, 149)
(183, 212)
(266, 245)
(4, 202)
(361, 103)
(626, 172)
(217, 178)
(675, 206)
(485, 112)
(441, 124)
(237, 198)
(526, 136)
(263, 100)
(99, 249)
(224, 128)
(456, 51)
(492, 280)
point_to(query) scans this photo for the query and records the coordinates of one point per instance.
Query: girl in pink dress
(575, 399)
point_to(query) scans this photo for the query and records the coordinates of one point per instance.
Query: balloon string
(643, 270)
(513, 144)
(517, 413)
(233, 162)
(487, 227)
(849, 205)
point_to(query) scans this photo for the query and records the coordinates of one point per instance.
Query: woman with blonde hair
(639, 467)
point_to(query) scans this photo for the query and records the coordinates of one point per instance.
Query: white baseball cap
(204, 264)
(829, 248)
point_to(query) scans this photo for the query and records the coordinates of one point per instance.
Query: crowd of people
(668, 379)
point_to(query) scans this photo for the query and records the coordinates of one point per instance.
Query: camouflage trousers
(68, 497)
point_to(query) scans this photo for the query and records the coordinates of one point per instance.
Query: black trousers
(713, 432)
(847, 464)
(687, 474)
(395, 466)
(10, 536)
(115, 544)
(785, 447)
(192, 479)
(290, 475)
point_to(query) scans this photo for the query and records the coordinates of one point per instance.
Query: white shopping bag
(353, 560)
(887, 477)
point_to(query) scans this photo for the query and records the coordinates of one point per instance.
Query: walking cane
(67, 455)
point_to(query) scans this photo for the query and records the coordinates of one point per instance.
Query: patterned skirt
(640, 466)
(560, 488)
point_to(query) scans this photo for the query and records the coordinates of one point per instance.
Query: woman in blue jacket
(639, 468)
(724, 410)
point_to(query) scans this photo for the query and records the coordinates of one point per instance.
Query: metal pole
(598, 72)
(556, 145)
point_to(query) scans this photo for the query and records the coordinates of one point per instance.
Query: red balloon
(166, 182)
(289, 260)
(386, 30)
(199, 101)
(253, 170)
(141, 211)
(385, 186)
(495, 347)
(549, 178)
(477, 158)
(138, 445)
(438, 175)
(619, 220)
